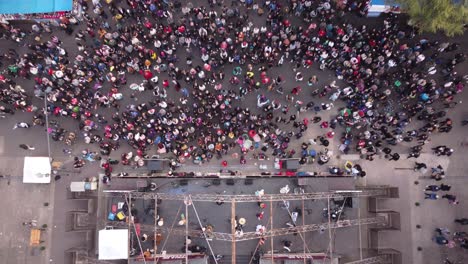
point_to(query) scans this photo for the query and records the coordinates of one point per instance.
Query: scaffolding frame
(272, 232)
(240, 198)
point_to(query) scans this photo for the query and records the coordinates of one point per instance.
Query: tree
(434, 15)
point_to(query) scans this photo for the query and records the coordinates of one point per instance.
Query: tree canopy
(434, 15)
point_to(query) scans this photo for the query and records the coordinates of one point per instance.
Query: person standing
(440, 240)
(260, 215)
(287, 245)
(395, 156)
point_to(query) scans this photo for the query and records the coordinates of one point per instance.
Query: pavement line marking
(2, 144)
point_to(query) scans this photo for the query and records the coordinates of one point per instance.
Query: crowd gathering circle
(392, 86)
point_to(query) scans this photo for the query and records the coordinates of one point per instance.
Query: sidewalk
(430, 214)
(24, 203)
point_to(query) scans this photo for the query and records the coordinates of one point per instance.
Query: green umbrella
(345, 112)
(13, 68)
(76, 109)
(397, 83)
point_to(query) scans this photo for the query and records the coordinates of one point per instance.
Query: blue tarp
(377, 2)
(34, 6)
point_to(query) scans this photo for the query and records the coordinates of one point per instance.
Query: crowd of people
(195, 108)
(202, 82)
(444, 237)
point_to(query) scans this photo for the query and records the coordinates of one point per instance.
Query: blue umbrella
(424, 97)
(312, 153)
(157, 140)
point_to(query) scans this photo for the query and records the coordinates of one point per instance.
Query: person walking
(445, 187)
(432, 188)
(451, 198)
(440, 240)
(462, 221)
(26, 147)
(431, 196)
(21, 125)
(421, 167)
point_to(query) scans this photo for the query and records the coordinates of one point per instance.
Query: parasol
(224, 45)
(256, 138)
(345, 112)
(147, 75)
(247, 143)
(242, 221)
(13, 68)
(134, 86)
(58, 74)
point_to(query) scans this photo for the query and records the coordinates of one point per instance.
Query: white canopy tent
(113, 244)
(36, 170)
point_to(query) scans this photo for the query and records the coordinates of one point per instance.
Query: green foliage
(434, 15)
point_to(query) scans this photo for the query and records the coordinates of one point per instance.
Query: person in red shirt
(260, 215)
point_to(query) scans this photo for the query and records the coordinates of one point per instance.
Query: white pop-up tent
(113, 244)
(36, 170)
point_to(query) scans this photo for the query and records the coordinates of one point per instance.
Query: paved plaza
(51, 206)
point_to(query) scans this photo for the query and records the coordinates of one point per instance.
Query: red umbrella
(2, 78)
(88, 122)
(74, 101)
(224, 45)
(265, 80)
(181, 29)
(361, 143)
(252, 133)
(147, 74)
(207, 67)
(224, 163)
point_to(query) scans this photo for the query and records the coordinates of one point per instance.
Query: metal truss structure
(202, 197)
(254, 235)
(380, 259)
